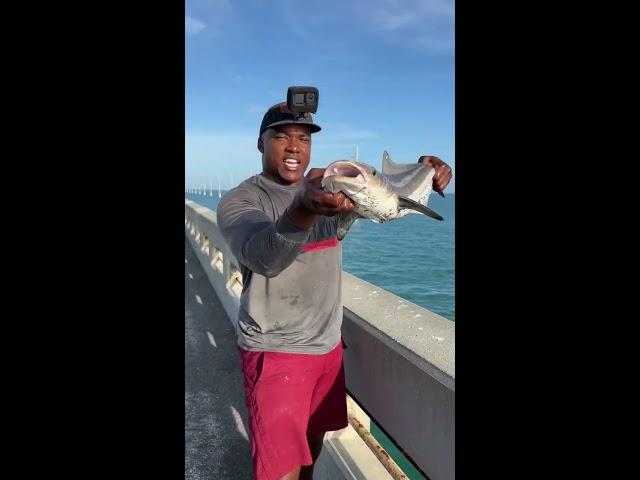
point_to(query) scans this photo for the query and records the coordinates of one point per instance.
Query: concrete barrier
(399, 364)
(400, 367)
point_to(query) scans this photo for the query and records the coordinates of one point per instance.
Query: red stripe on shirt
(322, 245)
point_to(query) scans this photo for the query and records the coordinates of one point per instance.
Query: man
(281, 226)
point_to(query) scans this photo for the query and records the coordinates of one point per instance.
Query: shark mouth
(347, 170)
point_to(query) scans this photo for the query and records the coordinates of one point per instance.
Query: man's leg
(328, 406)
(278, 391)
(292, 475)
(306, 473)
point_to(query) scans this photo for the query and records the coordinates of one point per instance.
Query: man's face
(286, 151)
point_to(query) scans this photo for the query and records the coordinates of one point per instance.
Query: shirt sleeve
(262, 245)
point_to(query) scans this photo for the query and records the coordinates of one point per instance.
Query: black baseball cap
(280, 114)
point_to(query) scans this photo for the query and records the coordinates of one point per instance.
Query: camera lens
(310, 98)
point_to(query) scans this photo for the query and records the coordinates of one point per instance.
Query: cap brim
(312, 126)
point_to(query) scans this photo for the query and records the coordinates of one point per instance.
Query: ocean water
(412, 257)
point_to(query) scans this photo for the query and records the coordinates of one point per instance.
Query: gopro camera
(301, 100)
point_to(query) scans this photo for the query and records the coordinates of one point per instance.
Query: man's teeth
(291, 161)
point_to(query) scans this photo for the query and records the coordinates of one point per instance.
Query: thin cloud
(395, 15)
(426, 25)
(258, 109)
(193, 26)
(277, 95)
(205, 153)
(342, 132)
(209, 14)
(230, 145)
(306, 22)
(291, 18)
(338, 141)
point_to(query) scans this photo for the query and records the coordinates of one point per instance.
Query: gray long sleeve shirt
(291, 298)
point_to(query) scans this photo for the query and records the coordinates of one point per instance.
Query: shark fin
(389, 167)
(404, 202)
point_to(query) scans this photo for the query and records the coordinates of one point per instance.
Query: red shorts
(290, 396)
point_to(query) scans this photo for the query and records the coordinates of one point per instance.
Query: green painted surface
(405, 465)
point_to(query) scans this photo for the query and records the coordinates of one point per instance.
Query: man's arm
(268, 247)
(263, 246)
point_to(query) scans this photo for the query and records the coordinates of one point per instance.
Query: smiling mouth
(291, 163)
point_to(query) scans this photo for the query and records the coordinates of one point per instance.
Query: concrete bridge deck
(216, 434)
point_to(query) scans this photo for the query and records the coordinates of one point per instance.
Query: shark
(400, 189)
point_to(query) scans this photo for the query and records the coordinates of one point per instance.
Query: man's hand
(311, 200)
(443, 173)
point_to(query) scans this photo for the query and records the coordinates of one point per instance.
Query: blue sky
(384, 69)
